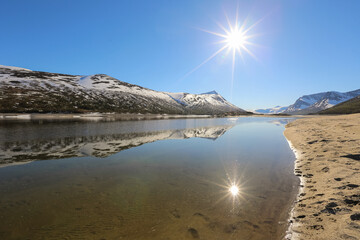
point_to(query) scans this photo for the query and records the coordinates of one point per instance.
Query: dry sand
(328, 162)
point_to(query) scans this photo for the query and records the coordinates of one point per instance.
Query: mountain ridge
(274, 110)
(313, 103)
(23, 90)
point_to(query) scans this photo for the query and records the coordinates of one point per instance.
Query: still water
(156, 179)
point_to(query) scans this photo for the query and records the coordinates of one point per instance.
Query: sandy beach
(328, 164)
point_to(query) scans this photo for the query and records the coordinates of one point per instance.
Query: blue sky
(304, 47)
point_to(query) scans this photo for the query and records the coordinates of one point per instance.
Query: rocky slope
(23, 90)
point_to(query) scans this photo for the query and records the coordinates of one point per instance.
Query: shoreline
(327, 204)
(97, 116)
(289, 234)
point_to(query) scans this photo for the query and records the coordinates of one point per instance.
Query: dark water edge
(126, 184)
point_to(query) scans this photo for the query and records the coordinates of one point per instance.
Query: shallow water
(158, 179)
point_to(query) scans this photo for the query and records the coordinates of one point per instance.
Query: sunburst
(236, 38)
(234, 190)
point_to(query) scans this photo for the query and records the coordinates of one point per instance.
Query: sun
(235, 38)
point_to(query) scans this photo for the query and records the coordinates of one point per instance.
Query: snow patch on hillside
(14, 68)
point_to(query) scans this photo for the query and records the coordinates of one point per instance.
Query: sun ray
(253, 25)
(237, 16)
(214, 33)
(255, 44)
(205, 61)
(223, 28)
(241, 55)
(233, 72)
(222, 41)
(228, 22)
(243, 25)
(250, 53)
(254, 35)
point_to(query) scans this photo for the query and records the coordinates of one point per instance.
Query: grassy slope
(350, 106)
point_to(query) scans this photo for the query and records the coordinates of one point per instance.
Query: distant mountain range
(23, 90)
(312, 103)
(274, 110)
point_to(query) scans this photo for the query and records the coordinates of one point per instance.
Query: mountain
(23, 90)
(350, 106)
(200, 102)
(316, 102)
(274, 110)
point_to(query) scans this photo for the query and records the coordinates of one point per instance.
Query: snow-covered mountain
(274, 110)
(348, 107)
(99, 145)
(199, 102)
(312, 103)
(23, 90)
(316, 102)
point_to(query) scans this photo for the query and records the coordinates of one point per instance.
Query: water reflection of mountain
(97, 145)
(282, 122)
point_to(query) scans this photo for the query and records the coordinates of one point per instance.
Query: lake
(151, 179)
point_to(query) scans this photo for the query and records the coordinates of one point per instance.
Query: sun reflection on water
(233, 186)
(234, 190)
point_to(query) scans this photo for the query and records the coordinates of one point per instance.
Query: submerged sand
(328, 163)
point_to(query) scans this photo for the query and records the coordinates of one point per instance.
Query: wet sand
(328, 164)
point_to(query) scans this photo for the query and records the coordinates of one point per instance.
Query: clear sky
(302, 46)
